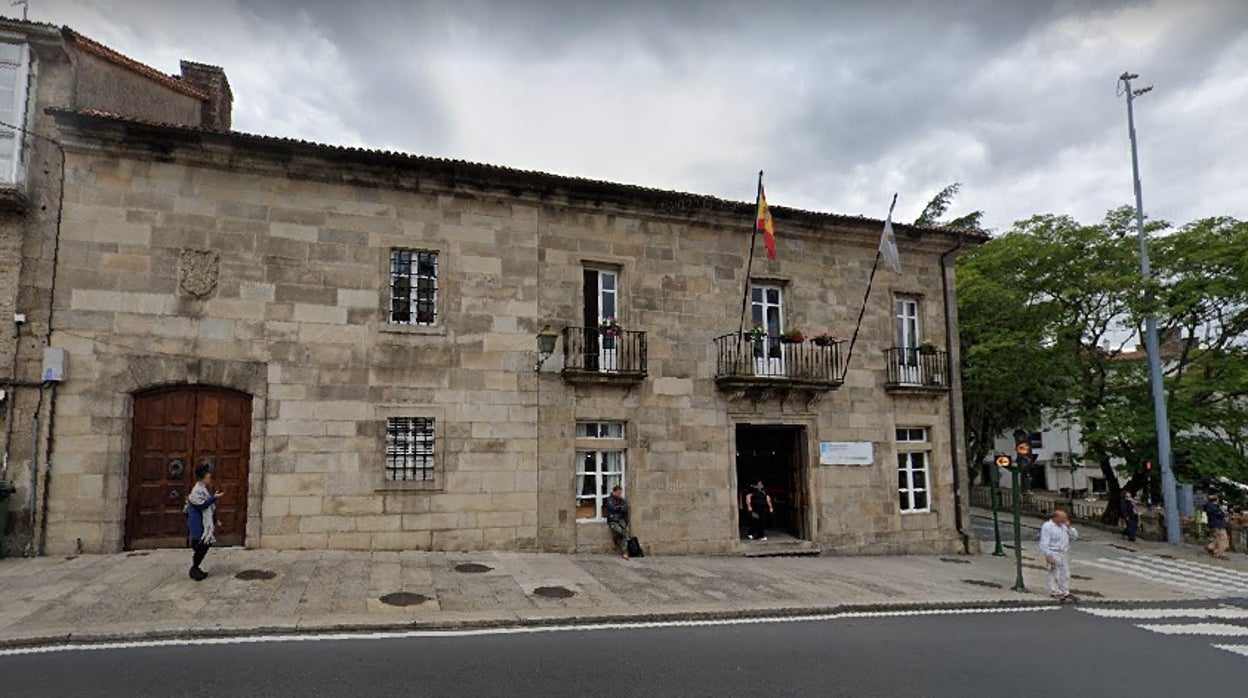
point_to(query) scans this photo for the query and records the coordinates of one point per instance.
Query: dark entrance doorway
(174, 430)
(776, 455)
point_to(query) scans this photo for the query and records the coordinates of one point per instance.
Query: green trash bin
(6, 491)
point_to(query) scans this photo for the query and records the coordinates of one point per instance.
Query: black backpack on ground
(634, 548)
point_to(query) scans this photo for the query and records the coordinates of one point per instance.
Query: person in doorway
(757, 506)
(1055, 537)
(617, 519)
(1130, 515)
(201, 513)
(1217, 526)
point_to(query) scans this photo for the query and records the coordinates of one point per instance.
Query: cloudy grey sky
(842, 103)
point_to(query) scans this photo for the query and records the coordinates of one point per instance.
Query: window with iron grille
(413, 287)
(409, 449)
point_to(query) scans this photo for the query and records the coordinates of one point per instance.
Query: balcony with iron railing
(744, 362)
(593, 355)
(916, 370)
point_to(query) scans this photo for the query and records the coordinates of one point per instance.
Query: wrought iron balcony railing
(741, 359)
(591, 354)
(910, 367)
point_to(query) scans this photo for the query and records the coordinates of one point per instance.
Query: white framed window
(602, 304)
(14, 78)
(413, 287)
(410, 449)
(912, 435)
(599, 468)
(767, 312)
(906, 311)
(600, 430)
(913, 489)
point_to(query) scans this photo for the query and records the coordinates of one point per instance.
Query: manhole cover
(1166, 557)
(982, 583)
(255, 574)
(138, 554)
(1036, 567)
(955, 560)
(1122, 547)
(554, 592)
(404, 598)
(472, 568)
(1081, 577)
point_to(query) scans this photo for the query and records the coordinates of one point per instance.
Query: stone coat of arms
(199, 271)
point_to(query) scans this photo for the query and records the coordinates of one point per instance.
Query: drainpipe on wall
(955, 413)
(47, 342)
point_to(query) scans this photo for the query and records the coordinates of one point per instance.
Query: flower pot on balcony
(926, 349)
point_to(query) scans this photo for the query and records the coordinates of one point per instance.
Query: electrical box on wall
(53, 365)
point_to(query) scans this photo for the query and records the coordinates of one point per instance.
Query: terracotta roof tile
(96, 48)
(672, 200)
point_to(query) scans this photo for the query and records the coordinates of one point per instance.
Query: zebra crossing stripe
(1192, 578)
(1216, 629)
(1237, 649)
(1163, 613)
(1187, 575)
(1115, 566)
(1221, 573)
(1184, 574)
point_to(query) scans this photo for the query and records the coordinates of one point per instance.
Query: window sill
(591, 521)
(410, 486)
(916, 512)
(394, 328)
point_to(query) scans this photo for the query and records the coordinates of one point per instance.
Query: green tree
(1048, 309)
(936, 208)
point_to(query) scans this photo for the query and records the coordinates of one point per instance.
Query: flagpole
(745, 293)
(870, 281)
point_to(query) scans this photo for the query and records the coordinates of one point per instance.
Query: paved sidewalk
(142, 594)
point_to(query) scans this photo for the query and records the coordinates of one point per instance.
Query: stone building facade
(351, 339)
(44, 66)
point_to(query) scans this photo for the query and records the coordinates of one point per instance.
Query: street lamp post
(1168, 489)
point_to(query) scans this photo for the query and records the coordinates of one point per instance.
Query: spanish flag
(765, 224)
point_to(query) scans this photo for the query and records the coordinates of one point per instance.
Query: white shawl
(199, 495)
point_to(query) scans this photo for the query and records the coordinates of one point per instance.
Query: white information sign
(846, 453)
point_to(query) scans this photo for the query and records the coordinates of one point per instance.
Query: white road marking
(526, 630)
(1207, 571)
(1237, 649)
(1115, 566)
(1161, 613)
(1217, 629)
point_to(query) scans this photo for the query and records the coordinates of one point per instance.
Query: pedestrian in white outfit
(1055, 537)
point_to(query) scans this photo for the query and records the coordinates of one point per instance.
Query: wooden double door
(174, 431)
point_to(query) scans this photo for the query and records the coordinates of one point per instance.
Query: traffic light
(1023, 457)
(1179, 459)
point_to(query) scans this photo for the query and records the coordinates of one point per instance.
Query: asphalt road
(1040, 653)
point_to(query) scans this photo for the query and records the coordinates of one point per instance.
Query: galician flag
(765, 224)
(888, 242)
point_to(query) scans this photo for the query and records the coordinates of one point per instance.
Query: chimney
(211, 79)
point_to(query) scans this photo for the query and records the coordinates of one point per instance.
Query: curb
(87, 639)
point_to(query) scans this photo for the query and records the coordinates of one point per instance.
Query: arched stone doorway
(174, 430)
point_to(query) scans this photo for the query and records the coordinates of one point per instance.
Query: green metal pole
(1018, 532)
(995, 492)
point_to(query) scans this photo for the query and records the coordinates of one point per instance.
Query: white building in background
(1060, 465)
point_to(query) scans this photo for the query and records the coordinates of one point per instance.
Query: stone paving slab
(139, 595)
